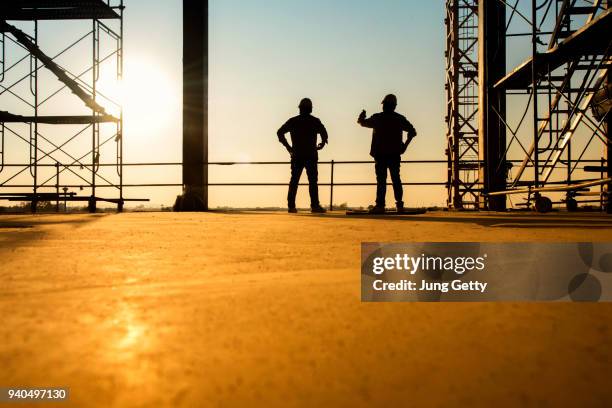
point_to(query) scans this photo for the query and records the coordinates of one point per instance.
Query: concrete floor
(235, 310)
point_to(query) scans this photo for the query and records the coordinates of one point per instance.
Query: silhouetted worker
(387, 147)
(303, 129)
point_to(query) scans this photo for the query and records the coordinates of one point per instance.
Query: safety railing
(331, 184)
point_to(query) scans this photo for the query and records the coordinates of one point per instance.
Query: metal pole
(608, 147)
(602, 187)
(491, 101)
(331, 188)
(65, 190)
(120, 124)
(1, 146)
(57, 175)
(34, 202)
(2, 55)
(195, 107)
(94, 59)
(609, 159)
(534, 52)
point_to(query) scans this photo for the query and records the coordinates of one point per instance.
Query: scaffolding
(56, 102)
(570, 57)
(462, 103)
(564, 84)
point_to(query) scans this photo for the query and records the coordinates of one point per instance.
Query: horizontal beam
(7, 117)
(61, 197)
(592, 39)
(265, 163)
(28, 10)
(569, 187)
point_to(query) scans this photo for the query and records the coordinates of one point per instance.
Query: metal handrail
(230, 163)
(330, 184)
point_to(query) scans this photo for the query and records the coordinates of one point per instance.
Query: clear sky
(345, 55)
(265, 55)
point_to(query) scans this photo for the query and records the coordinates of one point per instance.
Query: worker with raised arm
(304, 129)
(387, 147)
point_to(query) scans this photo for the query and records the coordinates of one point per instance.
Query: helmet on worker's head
(389, 103)
(390, 99)
(305, 105)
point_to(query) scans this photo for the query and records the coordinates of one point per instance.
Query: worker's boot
(292, 210)
(400, 207)
(317, 209)
(377, 209)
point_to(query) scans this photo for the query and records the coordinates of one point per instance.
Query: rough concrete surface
(256, 309)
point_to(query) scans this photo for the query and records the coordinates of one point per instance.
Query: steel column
(492, 102)
(195, 107)
(608, 146)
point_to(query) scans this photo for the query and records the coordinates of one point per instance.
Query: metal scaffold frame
(462, 103)
(20, 26)
(566, 86)
(569, 64)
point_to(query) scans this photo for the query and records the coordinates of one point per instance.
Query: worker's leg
(313, 178)
(297, 166)
(394, 171)
(381, 181)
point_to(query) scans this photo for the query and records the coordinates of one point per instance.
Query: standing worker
(387, 147)
(303, 129)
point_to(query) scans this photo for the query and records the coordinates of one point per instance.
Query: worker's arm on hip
(281, 137)
(407, 127)
(411, 134)
(324, 137)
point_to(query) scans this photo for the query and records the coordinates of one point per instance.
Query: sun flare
(150, 99)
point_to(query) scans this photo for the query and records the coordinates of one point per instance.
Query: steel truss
(462, 103)
(570, 57)
(66, 144)
(565, 84)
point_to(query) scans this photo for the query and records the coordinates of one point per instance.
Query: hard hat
(305, 103)
(390, 99)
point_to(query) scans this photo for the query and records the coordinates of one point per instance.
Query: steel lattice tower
(462, 103)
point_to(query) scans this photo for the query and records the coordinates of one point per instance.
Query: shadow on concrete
(15, 229)
(501, 221)
(493, 220)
